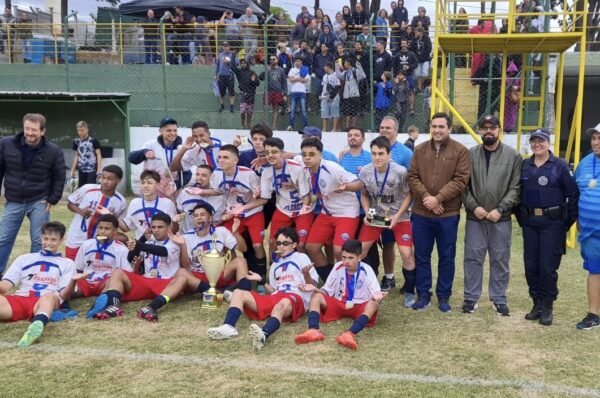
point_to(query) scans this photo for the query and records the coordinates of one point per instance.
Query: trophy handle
(228, 257)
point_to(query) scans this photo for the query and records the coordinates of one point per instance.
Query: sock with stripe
(359, 324)
(313, 320)
(159, 301)
(114, 298)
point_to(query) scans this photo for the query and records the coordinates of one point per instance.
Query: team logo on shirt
(345, 236)
(322, 184)
(405, 237)
(302, 233)
(543, 180)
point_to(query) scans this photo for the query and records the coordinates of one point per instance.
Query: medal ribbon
(351, 282)
(281, 176)
(594, 175)
(385, 177)
(169, 154)
(156, 259)
(149, 212)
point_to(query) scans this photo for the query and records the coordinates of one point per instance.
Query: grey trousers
(481, 238)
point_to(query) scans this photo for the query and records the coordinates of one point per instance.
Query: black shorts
(351, 106)
(226, 83)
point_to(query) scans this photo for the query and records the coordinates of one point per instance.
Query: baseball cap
(311, 131)
(593, 130)
(489, 119)
(167, 120)
(540, 133)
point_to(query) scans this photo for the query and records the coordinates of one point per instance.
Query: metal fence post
(66, 46)
(164, 63)
(370, 83)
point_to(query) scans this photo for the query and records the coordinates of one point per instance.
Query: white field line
(277, 366)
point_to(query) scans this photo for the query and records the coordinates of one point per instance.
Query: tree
(277, 10)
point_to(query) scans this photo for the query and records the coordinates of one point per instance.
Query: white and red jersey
(161, 267)
(89, 196)
(36, 274)
(198, 156)
(356, 288)
(291, 183)
(198, 244)
(99, 259)
(237, 188)
(186, 203)
(140, 212)
(325, 181)
(286, 275)
(163, 157)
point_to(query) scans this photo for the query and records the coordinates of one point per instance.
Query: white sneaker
(289, 128)
(227, 295)
(223, 332)
(257, 336)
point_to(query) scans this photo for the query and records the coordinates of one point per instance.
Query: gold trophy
(377, 220)
(213, 263)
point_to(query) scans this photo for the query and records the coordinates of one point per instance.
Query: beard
(489, 140)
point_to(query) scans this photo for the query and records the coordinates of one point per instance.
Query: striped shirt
(589, 199)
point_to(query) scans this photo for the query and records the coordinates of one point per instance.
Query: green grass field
(408, 353)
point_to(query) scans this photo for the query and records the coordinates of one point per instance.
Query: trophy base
(380, 222)
(211, 300)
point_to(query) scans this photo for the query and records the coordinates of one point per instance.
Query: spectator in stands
(299, 30)
(512, 99)
(341, 54)
(421, 20)
(383, 98)
(362, 57)
(183, 29)
(408, 34)
(351, 76)
(413, 136)
(382, 61)
(303, 14)
(298, 79)
(347, 16)
(277, 87)
(365, 38)
(359, 18)
(328, 38)
(461, 25)
(504, 27)
(405, 62)
(224, 76)
(304, 53)
(282, 27)
(311, 34)
(399, 15)
(319, 18)
(249, 25)
(421, 46)
(201, 36)
(24, 33)
(330, 98)
(284, 57)
(7, 22)
(247, 83)
(318, 69)
(382, 26)
(232, 30)
(339, 27)
(326, 21)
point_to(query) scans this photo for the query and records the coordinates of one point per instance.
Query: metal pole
(266, 62)
(66, 46)
(502, 98)
(164, 65)
(371, 83)
(558, 106)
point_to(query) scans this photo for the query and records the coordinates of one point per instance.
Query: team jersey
(89, 197)
(198, 156)
(198, 244)
(162, 160)
(98, 260)
(140, 212)
(186, 203)
(36, 274)
(286, 275)
(161, 267)
(387, 190)
(401, 154)
(325, 181)
(356, 288)
(291, 183)
(237, 189)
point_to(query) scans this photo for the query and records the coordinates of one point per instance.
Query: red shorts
(143, 288)
(301, 223)
(336, 309)
(275, 98)
(266, 303)
(71, 252)
(88, 289)
(255, 225)
(222, 283)
(327, 229)
(22, 307)
(402, 232)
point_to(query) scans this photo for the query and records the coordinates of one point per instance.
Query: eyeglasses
(283, 243)
(273, 59)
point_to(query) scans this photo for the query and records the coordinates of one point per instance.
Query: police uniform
(549, 198)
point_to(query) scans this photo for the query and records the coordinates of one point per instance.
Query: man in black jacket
(34, 173)
(421, 46)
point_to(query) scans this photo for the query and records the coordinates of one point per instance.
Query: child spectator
(383, 99)
(87, 159)
(247, 83)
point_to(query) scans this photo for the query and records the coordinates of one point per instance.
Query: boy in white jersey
(88, 202)
(351, 291)
(334, 188)
(285, 301)
(141, 210)
(160, 256)
(158, 155)
(192, 279)
(97, 258)
(239, 186)
(40, 278)
(198, 149)
(386, 191)
(186, 201)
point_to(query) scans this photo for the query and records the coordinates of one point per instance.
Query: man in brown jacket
(439, 173)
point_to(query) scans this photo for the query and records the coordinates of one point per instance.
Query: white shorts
(422, 70)
(330, 109)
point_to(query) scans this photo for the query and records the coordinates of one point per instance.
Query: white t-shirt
(327, 179)
(386, 201)
(161, 267)
(98, 260)
(286, 275)
(186, 203)
(329, 79)
(198, 244)
(298, 87)
(293, 184)
(163, 158)
(36, 274)
(363, 284)
(198, 156)
(89, 197)
(236, 189)
(140, 212)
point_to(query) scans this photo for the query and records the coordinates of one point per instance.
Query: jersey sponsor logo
(405, 237)
(345, 236)
(302, 233)
(322, 184)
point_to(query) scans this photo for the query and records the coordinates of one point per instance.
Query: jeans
(442, 231)
(11, 221)
(298, 97)
(151, 51)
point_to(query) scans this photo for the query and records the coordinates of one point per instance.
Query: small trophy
(213, 263)
(377, 220)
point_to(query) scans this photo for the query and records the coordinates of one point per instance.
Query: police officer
(549, 198)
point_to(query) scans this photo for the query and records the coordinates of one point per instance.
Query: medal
(153, 273)
(593, 183)
(349, 305)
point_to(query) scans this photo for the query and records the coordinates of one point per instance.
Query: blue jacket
(383, 99)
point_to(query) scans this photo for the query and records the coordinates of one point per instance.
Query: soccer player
(284, 301)
(193, 279)
(386, 190)
(141, 210)
(199, 149)
(97, 258)
(351, 291)
(187, 201)
(40, 278)
(88, 202)
(160, 255)
(334, 188)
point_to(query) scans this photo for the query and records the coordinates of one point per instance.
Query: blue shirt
(329, 156)
(589, 199)
(401, 154)
(352, 164)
